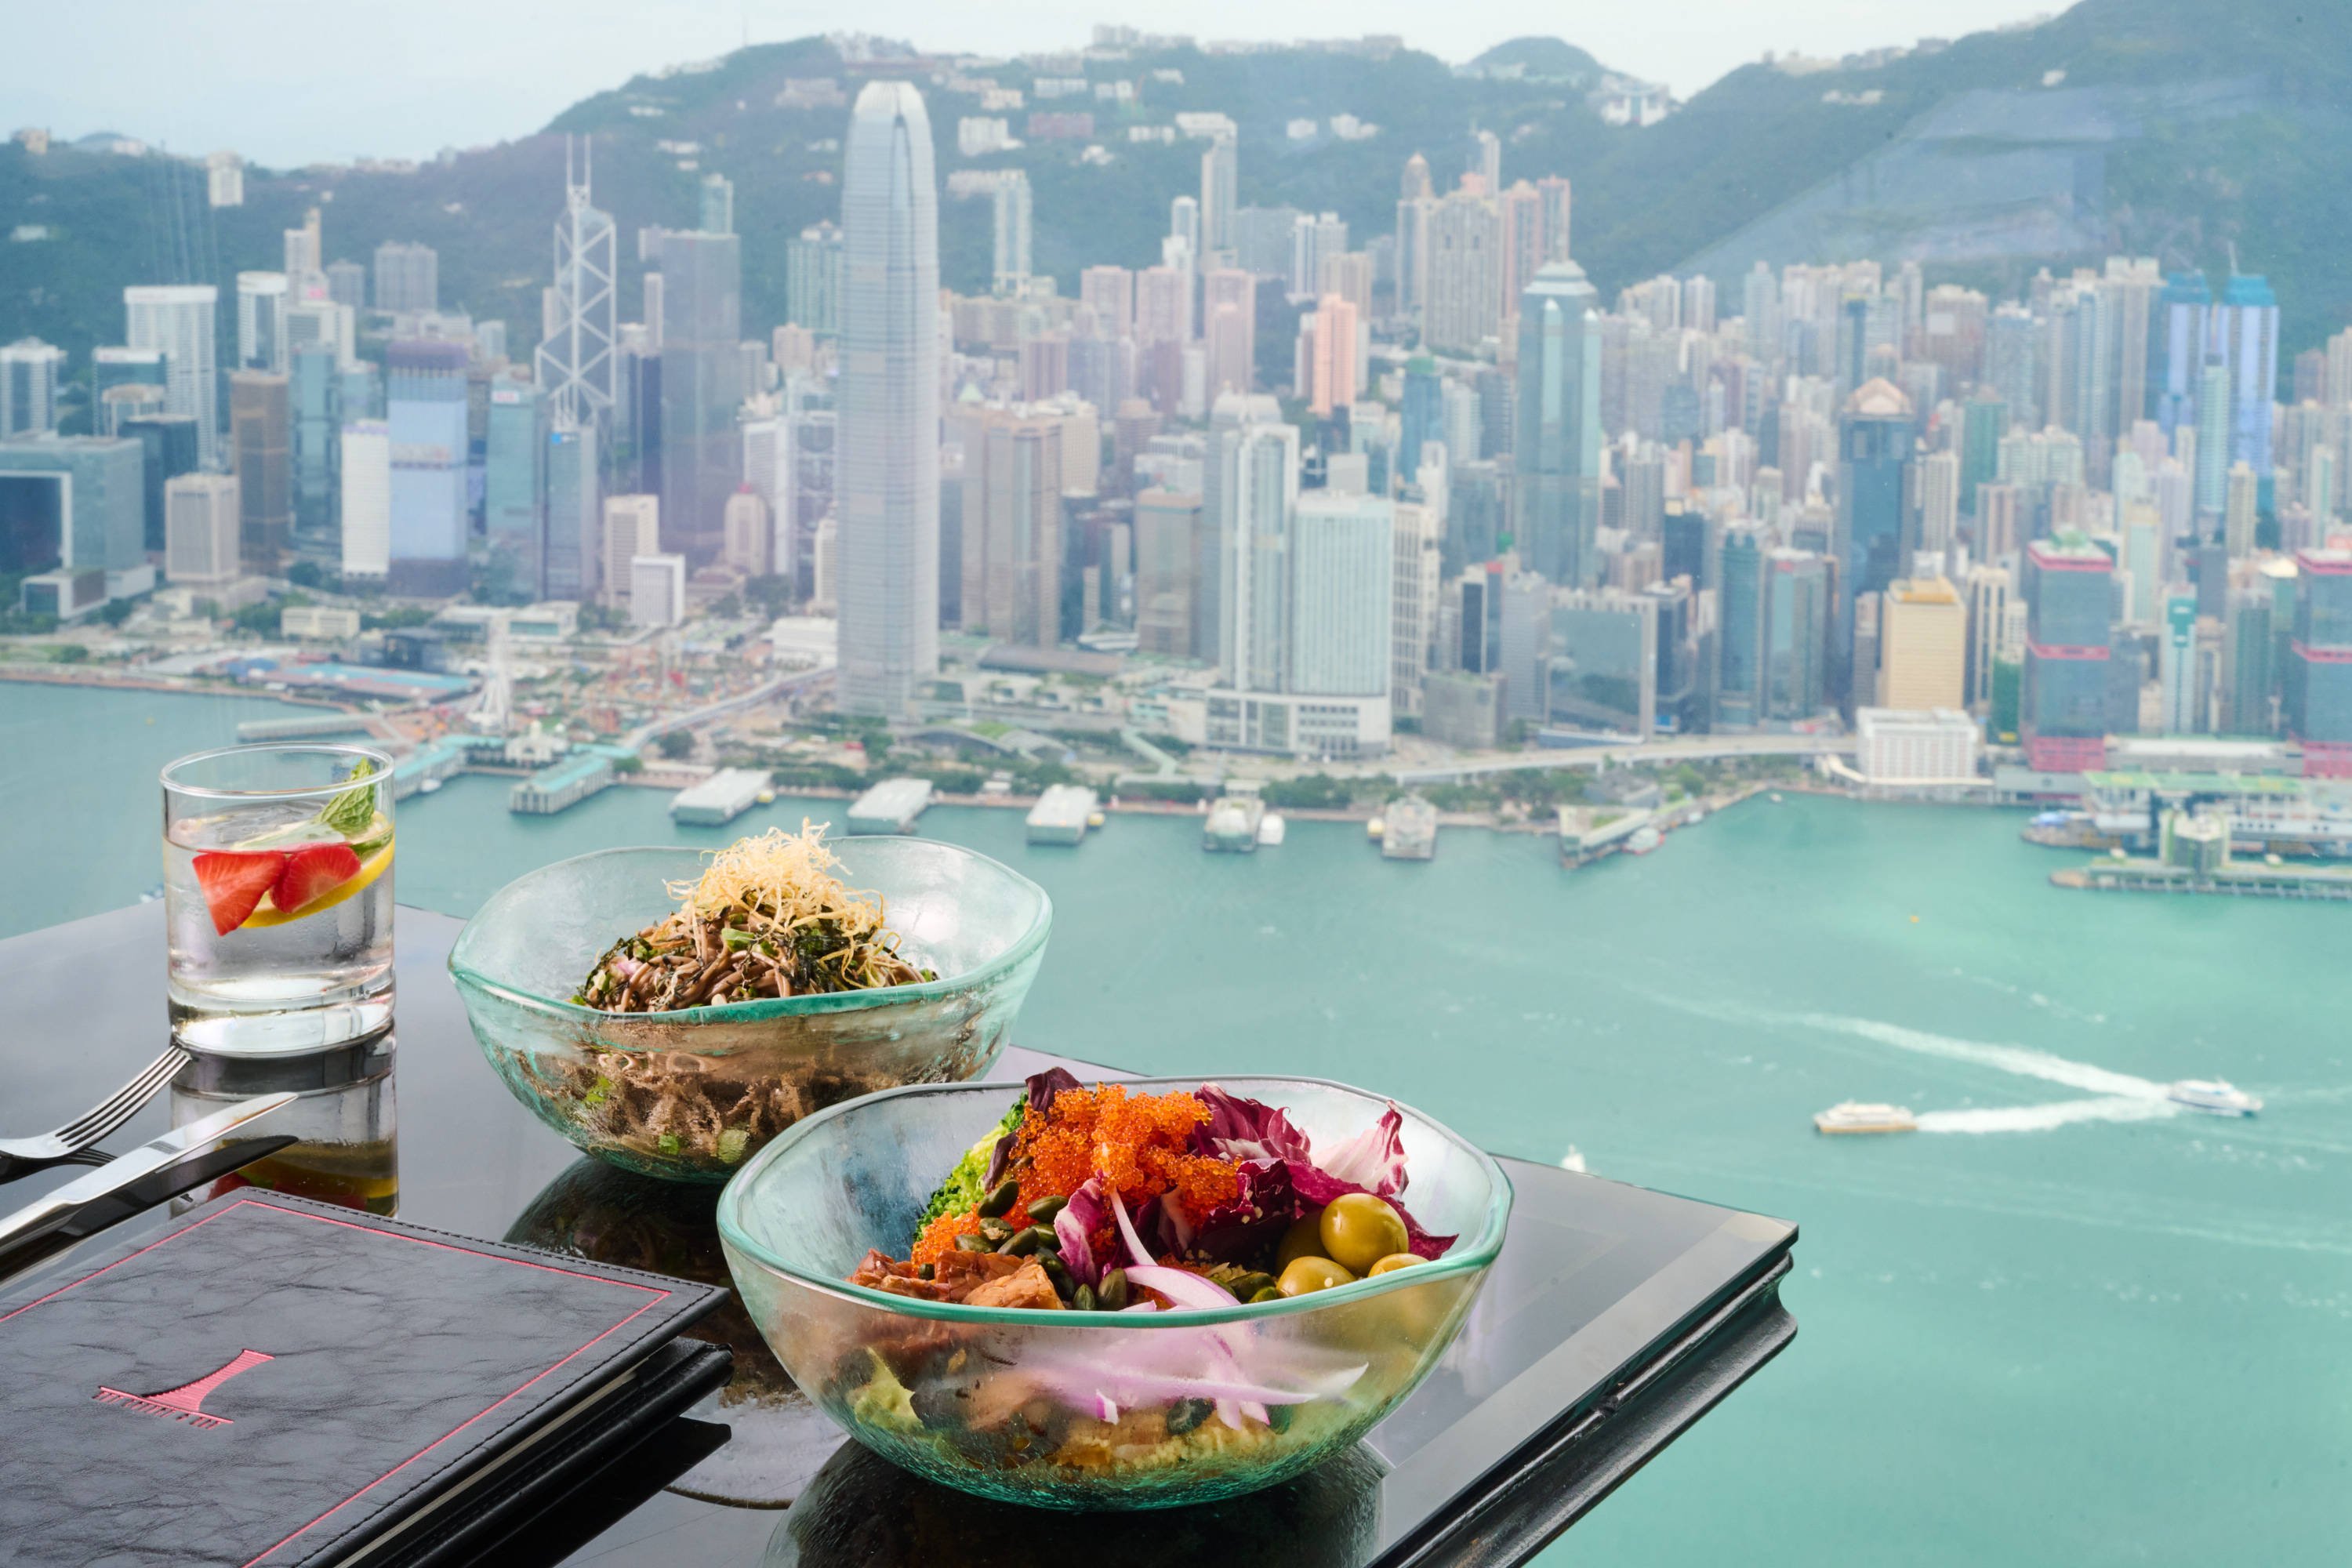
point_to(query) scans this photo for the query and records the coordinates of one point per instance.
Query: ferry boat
(1646, 838)
(2213, 1097)
(1855, 1116)
(1272, 829)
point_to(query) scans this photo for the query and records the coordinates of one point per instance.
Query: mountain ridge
(2173, 127)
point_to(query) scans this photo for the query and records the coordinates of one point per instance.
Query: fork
(99, 1120)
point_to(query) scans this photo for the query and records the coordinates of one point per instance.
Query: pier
(718, 799)
(891, 807)
(587, 770)
(1061, 815)
(1409, 830)
(2237, 881)
(308, 728)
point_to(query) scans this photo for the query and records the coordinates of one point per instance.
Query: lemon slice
(375, 866)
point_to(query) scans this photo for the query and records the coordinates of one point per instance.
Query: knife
(49, 1213)
(186, 1175)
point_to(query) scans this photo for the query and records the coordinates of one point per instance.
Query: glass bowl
(689, 1095)
(1010, 1404)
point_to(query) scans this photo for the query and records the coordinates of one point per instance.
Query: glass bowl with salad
(671, 1010)
(1136, 1294)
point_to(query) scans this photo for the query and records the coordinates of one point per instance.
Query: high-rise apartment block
(30, 371)
(261, 429)
(407, 277)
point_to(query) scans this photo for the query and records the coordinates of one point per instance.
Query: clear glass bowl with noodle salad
(690, 1093)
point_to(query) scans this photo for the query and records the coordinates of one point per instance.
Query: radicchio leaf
(1242, 1129)
(1373, 1159)
(1371, 1162)
(1246, 1223)
(1044, 1086)
(1073, 1232)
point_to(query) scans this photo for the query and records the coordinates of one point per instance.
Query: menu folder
(273, 1382)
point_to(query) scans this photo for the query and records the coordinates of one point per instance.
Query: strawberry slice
(235, 881)
(313, 871)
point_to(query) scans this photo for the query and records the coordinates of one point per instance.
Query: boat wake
(2047, 1118)
(2024, 1060)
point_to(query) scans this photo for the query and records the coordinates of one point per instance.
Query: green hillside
(2176, 129)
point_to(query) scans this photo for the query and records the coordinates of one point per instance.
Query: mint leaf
(350, 813)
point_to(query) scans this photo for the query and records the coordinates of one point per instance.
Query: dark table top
(1614, 1318)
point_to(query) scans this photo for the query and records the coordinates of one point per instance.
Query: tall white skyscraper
(367, 498)
(576, 361)
(1343, 572)
(177, 320)
(888, 399)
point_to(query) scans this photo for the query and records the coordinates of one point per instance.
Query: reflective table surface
(1614, 1318)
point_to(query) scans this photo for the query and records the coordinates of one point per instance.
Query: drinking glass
(277, 895)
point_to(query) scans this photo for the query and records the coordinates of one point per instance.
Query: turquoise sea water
(2068, 1328)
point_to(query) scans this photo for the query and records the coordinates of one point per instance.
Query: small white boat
(1270, 829)
(1858, 1116)
(1646, 838)
(766, 797)
(1573, 1160)
(430, 786)
(2213, 1097)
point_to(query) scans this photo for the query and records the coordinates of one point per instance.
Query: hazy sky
(293, 81)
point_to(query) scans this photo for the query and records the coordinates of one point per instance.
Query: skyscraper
(1552, 192)
(1342, 561)
(1012, 578)
(367, 499)
(1415, 207)
(407, 277)
(1009, 204)
(574, 511)
(701, 386)
(1465, 302)
(889, 473)
(1558, 447)
(2319, 666)
(202, 531)
(576, 359)
(1873, 444)
(1423, 415)
(1229, 329)
(1220, 194)
(2245, 329)
(318, 423)
(261, 424)
(177, 320)
(2177, 350)
(813, 279)
(425, 397)
(29, 373)
(514, 489)
(1796, 617)
(1922, 645)
(718, 204)
(261, 301)
(2069, 593)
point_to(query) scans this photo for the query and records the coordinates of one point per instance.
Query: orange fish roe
(1136, 1143)
(939, 1236)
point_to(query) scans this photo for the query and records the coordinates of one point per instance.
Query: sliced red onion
(1180, 1285)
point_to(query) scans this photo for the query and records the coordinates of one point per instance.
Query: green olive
(1358, 1230)
(1301, 1276)
(1303, 1240)
(1392, 1262)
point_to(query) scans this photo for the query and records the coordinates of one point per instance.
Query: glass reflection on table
(346, 1150)
(606, 1215)
(862, 1509)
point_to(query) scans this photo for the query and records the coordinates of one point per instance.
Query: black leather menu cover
(276, 1381)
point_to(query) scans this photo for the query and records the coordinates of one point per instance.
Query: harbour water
(2063, 1323)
